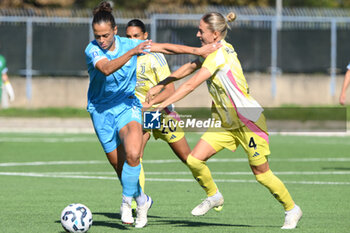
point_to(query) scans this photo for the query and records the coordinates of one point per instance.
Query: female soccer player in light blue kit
(113, 107)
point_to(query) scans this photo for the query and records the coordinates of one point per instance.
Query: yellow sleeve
(214, 61)
(160, 67)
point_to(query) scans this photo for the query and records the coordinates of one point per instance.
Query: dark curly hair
(103, 13)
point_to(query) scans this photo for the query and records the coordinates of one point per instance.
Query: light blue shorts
(108, 123)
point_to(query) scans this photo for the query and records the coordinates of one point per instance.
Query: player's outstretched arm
(180, 73)
(108, 67)
(167, 48)
(346, 83)
(186, 88)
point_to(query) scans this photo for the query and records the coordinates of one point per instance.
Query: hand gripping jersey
(108, 91)
(232, 103)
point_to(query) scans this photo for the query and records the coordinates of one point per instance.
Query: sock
(201, 173)
(127, 199)
(142, 177)
(141, 200)
(216, 196)
(130, 180)
(277, 189)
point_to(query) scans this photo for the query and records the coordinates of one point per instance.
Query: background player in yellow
(151, 69)
(242, 120)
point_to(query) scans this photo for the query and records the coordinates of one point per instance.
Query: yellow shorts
(169, 130)
(254, 141)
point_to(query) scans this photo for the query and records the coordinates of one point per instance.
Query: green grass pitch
(40, 174)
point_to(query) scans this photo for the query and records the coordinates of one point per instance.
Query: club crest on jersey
(94, 54)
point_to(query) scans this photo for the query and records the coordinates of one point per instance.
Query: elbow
(106, 71)
(190, 88)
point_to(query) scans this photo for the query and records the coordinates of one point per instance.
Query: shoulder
(215, 56)
(92, 47)
(158, 58)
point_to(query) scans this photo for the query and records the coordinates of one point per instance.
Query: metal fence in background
(290, 44)
(265, 43)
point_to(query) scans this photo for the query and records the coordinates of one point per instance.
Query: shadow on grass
(117, 215)
(188, 223)
(115, 225)
(158, 220)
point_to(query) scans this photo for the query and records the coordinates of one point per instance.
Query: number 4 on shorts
(252, 143)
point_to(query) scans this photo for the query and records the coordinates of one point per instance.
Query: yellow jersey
(151, 69)
(232, 103)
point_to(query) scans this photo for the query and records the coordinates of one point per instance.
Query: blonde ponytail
(230, 17)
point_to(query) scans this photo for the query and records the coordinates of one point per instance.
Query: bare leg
(131, 136)
(181, 149)
(145, 137)
(203, 151)
(117, 158)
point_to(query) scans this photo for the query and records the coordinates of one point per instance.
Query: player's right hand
(153, 92)
(207, 49)
(342, 99)
(143, 48)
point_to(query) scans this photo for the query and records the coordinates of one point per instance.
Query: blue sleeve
(348, 66)
(93, 54)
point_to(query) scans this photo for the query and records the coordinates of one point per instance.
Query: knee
(133, 157)
(193, 162)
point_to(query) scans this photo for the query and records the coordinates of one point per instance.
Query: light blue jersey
(112, 103)
(112, 90)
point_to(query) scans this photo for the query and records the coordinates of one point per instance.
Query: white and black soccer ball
(76, 218)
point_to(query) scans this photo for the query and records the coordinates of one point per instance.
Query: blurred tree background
(144, 4)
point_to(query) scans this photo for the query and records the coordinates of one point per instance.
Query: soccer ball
(76, 218)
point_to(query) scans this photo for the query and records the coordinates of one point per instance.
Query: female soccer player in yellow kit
(242, 120)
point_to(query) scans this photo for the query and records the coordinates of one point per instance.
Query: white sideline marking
(213, 160)
(50, 163)
(161, 179)
(32, 174)
(214, 173)
(49, 140)
(250, 173)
